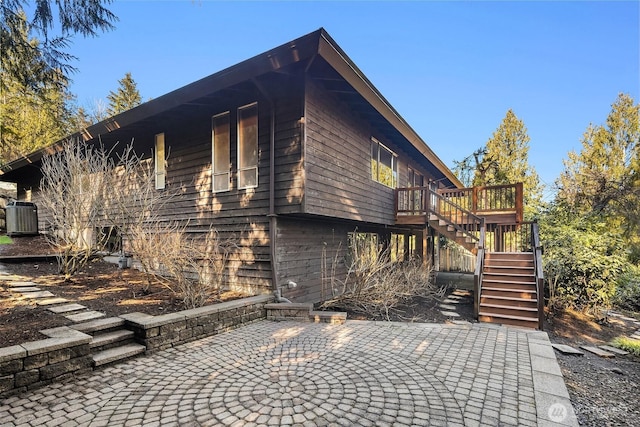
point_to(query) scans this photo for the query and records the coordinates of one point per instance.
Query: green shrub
(581, 265)
(627, 344)
(627, 294)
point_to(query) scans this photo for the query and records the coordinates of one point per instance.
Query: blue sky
(451, 69)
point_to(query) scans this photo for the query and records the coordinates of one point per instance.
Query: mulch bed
(101, 286)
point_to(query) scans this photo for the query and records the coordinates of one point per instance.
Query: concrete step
(288, 311)
(66, 308)
(598, 351)
(332, 317)
(104, 324)
(85, 315)
(104, 341)
(117, 354)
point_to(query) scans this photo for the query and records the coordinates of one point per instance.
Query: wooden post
(519, 202)
(474, 200)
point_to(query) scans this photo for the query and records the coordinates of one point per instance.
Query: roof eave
(339, 60)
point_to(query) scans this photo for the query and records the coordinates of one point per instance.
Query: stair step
(488, 269)
(508, 320)
(112, 337)
(117, 354)
(509, 298)
(508, 307)
(514, 290)
(332, 317)
(531, 282)
(103, 324)
(510, 255)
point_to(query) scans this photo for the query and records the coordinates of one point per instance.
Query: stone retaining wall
(67, 353)
(37, 363)
(168, 330)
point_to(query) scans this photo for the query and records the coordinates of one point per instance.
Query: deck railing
(537, 257)
(488, 199)
(509, 237)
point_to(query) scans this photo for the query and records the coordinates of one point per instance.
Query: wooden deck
(500, 204)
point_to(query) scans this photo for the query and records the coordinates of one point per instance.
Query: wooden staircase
(447, 229)
(487, 221)
(508, 294)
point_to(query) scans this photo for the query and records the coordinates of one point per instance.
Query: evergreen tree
(125, 97)
(604, 177)
(504, 160)
(33, 114)
(606, 168)
(70, 17)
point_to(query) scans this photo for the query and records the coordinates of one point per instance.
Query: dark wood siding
(307, 251)
(289, 171)
(338, 163)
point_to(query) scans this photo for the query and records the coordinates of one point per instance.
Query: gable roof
(354, 88)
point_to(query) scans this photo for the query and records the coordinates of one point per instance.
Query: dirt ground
(603, 391)
(101, 286)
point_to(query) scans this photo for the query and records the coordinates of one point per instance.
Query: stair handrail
(476, 219)
(539, 271)
(477, 275)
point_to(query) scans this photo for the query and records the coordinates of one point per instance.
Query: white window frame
(394, 164)
(159, 161)
(220, 173)
(242, 170)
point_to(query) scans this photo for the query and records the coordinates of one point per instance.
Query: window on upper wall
(160, 168)
(384, 164)
(248, 146)
(221, 152)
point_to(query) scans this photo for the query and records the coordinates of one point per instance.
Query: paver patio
(292, 373)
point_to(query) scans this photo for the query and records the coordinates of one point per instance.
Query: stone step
(85, 315)
(332, 317)
(614, 350)
(66, 308)
(25, 289)
(51, 301)
(117, 354)
(104, 324)
(567, 349)
(597, 351)
(19, 283)
(288, 311)
(107, 340)
(38, 294)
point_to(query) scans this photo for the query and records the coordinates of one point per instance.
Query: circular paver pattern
(305, 374)
(306, 381)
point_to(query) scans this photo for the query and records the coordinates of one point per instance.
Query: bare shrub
(133, 202)
(192, 268)
(73, 186)
(375, 285)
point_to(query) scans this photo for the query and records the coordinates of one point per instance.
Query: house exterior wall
(337, 160)
(323, 184)
(314, 253)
